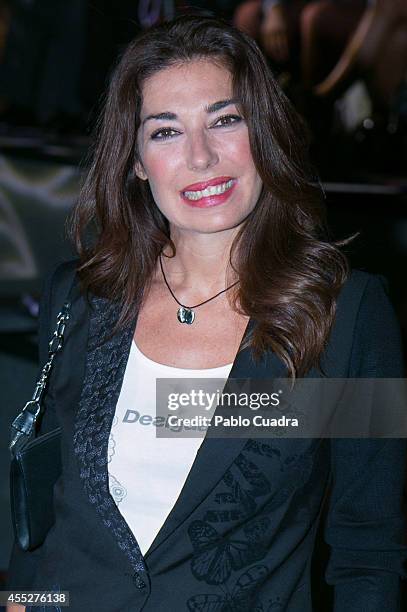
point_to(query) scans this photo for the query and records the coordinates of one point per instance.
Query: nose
(202, 153)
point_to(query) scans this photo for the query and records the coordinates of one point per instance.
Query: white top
(146, 473)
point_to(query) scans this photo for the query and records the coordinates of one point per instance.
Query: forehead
(196, 83)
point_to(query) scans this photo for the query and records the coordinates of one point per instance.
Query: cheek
(162, 176)
(160, 165)
(239, 151)
(157, 168)
(245, 162)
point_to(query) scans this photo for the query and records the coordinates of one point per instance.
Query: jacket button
(138, 581)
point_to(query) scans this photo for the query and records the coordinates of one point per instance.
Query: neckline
(164, 366)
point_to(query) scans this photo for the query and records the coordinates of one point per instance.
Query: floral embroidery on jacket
(105, 366)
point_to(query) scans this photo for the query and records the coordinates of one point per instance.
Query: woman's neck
(200, 265)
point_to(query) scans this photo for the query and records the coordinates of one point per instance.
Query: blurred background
(343, 63)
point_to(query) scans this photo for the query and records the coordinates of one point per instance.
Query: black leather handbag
(35, 460)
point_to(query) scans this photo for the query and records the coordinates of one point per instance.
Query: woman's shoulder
(55, 290)
(367, 325)
(359, 281)
(362, 293)
(57, 284)
(61, 274)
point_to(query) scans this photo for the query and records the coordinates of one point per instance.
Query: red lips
(211, 183)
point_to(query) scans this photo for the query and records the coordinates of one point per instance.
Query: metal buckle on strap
(24, 423)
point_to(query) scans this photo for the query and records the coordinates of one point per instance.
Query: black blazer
(241, 534)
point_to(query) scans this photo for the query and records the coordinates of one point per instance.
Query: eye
(228, 120)
(224, 121)
(162, 134)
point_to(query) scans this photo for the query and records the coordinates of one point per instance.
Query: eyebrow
(211, 108)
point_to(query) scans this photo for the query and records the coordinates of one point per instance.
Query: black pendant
(185, 315)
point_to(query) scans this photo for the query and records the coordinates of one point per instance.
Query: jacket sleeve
(365, 526)
(22, 564)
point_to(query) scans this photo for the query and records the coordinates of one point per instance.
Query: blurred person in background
(303, 40)
(304, 36)
(320, 48)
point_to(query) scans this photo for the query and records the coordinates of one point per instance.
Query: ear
(139, 169)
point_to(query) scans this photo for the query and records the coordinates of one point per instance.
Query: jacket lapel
(106, 360)
(216, 454)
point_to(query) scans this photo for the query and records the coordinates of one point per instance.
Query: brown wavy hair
(290, 272)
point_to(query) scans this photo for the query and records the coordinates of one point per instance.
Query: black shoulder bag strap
(36, 459)
(23, 427)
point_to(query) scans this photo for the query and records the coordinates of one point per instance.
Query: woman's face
(194, 149)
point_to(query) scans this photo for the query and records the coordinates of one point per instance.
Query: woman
(210, 258)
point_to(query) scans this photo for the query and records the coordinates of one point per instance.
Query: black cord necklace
(186, 314)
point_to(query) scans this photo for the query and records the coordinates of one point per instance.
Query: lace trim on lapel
(106, 361)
